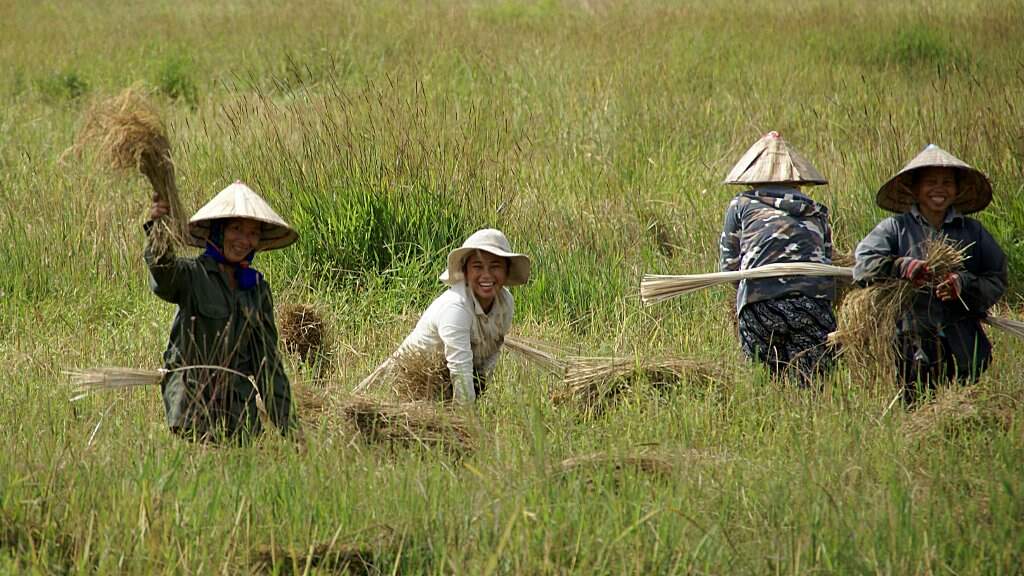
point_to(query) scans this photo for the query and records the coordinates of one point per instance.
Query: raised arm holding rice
(222, 363)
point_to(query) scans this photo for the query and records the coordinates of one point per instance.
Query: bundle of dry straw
(868, 317)
(656, 288)
(303, 331)
(647, 459)
(128, 132)
(354, 554)
(592, 381)
(545, 355)
(409, 423)
(959, 408)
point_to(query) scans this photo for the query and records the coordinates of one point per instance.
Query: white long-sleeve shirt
(456, 327)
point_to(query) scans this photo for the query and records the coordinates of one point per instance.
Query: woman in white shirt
(463, 329)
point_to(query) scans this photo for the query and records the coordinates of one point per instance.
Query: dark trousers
(789, 335)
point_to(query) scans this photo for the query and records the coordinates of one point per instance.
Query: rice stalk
(545, 355)
(656, 288)
(127, 131)
(867, 319)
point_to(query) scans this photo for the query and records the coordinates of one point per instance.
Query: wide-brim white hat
(974, 192)
(493, 242)
(240, 201)
(771, 160)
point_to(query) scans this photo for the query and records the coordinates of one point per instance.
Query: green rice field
(595, 134)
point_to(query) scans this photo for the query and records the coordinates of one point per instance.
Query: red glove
(949, 288)
(913, 270)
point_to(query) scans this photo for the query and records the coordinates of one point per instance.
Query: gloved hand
(949, 288)
(913, 269)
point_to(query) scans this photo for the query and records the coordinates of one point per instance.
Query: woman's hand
(159, 209)
(949, 289)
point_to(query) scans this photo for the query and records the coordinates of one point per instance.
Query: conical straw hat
(772, 161)
(495, 242)
(974, 192)
(240, 201)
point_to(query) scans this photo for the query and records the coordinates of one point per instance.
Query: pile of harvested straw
(868, 317)
(127, 131)
(303, 331)
(592, 381)
(355, 555)
(656, 288)
(420, 377)
(646, 459)
(958, 408)
(409, 423)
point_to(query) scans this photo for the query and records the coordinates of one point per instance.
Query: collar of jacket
(952, 215)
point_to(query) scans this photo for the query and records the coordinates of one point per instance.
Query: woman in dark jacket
(223, 367)
(940, 338)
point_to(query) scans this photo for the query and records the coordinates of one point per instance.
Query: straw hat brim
(974, 191)
(272, 234)
(518, 268)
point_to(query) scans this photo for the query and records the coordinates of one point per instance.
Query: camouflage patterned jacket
(772, 224)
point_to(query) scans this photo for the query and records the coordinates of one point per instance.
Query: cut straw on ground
(591, 382)
(656, 288)
(354, 554)
(409, 423)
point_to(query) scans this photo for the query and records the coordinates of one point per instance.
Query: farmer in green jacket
(224, 374)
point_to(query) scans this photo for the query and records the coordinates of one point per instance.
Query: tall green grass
(594, 134)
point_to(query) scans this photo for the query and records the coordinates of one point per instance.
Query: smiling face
(486, 274)
(241, 236)
(935, 190)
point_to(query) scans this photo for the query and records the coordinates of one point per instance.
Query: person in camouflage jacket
(783, 322)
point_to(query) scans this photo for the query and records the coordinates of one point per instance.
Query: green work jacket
(216, 325)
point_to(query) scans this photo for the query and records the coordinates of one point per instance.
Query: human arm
(168, 276)
(454, 328)
(876, 253)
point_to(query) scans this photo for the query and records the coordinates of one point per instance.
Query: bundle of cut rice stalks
(355, 554)
(303, 333)
(311, 403)
(409, 423)
(867, 319)
(1013, 327)
(656, 288)
(646, 459)
(960, 408)
(128, 133)
(591, 382)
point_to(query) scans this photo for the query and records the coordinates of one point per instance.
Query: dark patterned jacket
(773, 224)
(983, 281)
